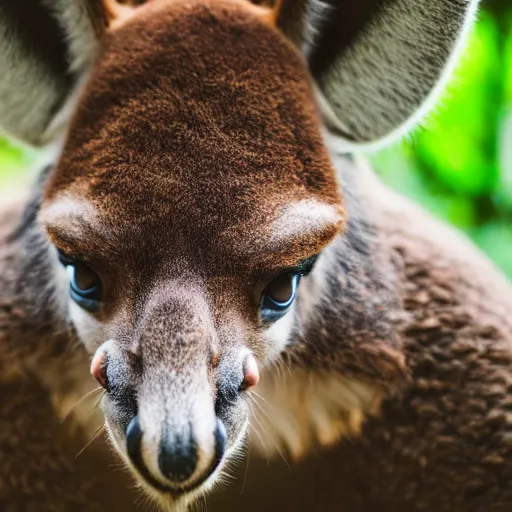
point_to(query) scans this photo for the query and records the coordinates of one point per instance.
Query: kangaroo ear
(45, 47)
(378, 64)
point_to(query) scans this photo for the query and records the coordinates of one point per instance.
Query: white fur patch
(302, 219)
(69, 212)
(278, 334)
(90, 331)
(297, 409)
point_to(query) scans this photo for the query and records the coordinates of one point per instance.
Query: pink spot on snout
(98, 364)
(251, 373)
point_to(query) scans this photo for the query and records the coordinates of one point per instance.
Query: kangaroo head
(194, 191)
(186, 211)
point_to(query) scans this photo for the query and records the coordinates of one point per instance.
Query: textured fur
(46, 46)
(444, 443)
(374, 96)
(458, 347)
(387, 382)
(40, 470)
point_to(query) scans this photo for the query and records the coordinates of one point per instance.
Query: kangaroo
(206, 246)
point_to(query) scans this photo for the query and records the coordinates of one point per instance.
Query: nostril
(99, 366)
(177, 458)
(220, 442)
(133, 439)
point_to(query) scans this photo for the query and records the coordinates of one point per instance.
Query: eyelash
(304, 267)
(64, 259)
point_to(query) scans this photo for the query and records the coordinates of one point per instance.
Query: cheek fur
(277, 336)
(89, 330)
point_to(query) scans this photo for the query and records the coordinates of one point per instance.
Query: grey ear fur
(45, 48)
(378, 64)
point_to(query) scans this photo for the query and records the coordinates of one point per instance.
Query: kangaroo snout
(176, 441)
(173, 408)
(178, 457)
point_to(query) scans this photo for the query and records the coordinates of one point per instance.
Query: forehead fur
(195, 114)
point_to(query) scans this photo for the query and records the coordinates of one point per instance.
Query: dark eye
(279, 295)
(85, 285)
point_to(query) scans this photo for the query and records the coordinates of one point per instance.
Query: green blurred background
(459, 163)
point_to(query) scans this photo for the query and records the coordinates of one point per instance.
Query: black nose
(177, 456)
(221, 438)
(133, 440)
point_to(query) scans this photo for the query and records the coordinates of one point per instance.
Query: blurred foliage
(14, 165)
(459, 163)
(12, 160)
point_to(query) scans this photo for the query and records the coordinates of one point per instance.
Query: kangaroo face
(193, 193)
(186, 212)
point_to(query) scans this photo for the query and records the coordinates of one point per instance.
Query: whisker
(87, 395)
(254, 394)
(260, 407)
(254, 428)
(270, 437)
(258, 434)
(95, 436)
(97, 404)
(247, 465)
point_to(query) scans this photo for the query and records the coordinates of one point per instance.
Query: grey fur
(387, 313)
(388, 76)
(42, 58)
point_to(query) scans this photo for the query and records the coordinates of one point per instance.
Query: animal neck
(344, 354)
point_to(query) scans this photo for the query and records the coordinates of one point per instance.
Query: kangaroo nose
(177, 457)
(133, 441)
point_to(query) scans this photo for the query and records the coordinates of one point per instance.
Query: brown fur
(40, 470)
(196, 130)
(246, 123)
(445, 443)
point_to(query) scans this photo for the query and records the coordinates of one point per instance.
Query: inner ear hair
(378, 64)
(46, 46)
